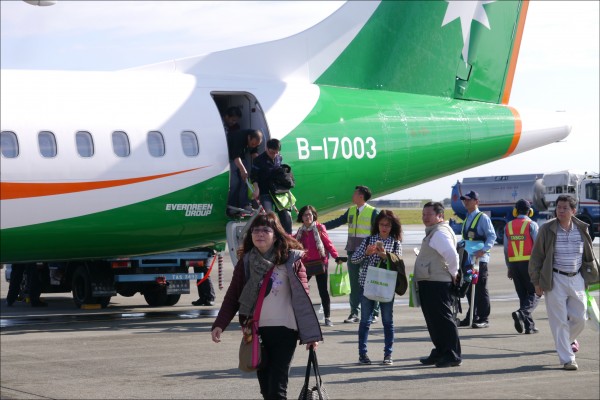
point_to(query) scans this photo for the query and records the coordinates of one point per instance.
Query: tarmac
(130, 350)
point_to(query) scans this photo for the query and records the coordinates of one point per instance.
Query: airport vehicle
(498, 195)
(585, 187)
(129, 163)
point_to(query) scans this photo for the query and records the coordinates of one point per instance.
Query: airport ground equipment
(498, 195)
(160, 278)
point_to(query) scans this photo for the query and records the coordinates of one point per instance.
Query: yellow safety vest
(359, 225)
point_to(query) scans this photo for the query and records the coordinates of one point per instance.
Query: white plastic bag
(380, 284)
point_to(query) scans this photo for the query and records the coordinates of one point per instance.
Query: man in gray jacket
(562, 264)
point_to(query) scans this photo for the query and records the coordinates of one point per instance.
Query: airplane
(388, 94)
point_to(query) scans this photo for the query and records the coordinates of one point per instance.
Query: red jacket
(312, 253)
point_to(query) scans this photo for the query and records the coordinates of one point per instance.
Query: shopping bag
(413, 296)
(316, 392)
(592, 312)
(250, 348)
(380, 284)
(339, 282)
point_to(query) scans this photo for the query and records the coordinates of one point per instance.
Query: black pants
(279, 345)
(436, 304)
(323, 293)
(14, 286)
(34, 283)
(206, 291)
(526, 292)
(481, 313)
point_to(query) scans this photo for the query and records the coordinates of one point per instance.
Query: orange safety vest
(520, 242)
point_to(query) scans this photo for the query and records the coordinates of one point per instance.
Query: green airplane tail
(457, 49)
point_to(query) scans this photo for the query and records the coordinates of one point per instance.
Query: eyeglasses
(261, 229)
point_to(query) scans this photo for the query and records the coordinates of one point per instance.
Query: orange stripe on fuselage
(12, 190)
(515, 53)
(516, 134)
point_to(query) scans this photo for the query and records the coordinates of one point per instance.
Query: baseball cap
(470, 196)
(522, 205)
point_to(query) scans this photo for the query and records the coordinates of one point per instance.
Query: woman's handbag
(316, 392)
(339, 282)
(250, 348)
(380, 283)
(314, 267)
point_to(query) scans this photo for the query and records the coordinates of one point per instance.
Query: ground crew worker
(360, 218)
(519, 235)
(478, 227)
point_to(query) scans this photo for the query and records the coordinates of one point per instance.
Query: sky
(557, 69)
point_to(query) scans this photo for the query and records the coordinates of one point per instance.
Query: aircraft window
(85, 144)
(47, 144)
(120, 143)
(9, 145)
(156, 144)
(189, 143)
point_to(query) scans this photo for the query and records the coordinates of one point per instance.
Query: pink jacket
(312, 253)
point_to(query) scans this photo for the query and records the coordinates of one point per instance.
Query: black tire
(103, 301)
(499, 228)
(172, 299)
(81, 287)
(156, 297)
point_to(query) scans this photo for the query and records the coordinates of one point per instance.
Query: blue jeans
(355, 289)
(366, 316)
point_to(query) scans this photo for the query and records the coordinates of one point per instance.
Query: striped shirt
(373, 260)
(568, 249)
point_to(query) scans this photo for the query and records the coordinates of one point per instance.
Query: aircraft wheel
(81, 287)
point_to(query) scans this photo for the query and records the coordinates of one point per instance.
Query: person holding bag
(313, 236)
(287, 314)
(386, 235)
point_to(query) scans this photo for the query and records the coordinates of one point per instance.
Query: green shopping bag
(413, 293)
(339, 282)
(592, 312)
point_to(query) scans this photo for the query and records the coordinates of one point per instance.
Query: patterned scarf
(258, 265)
(312, 227)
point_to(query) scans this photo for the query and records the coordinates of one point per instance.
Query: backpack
(282, 179)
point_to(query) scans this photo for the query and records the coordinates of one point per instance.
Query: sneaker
(352, 319)
(480, 325)
(575, 348)
(464, 322)
(387, 360)
(570, 366)
(364, 359)
(328, 322)
(375, 319)
(531, 331)
(518, 318)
